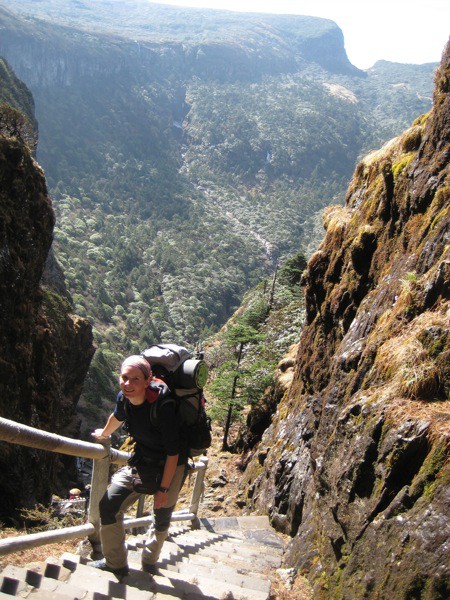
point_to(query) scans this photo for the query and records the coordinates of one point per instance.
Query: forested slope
(186, 151)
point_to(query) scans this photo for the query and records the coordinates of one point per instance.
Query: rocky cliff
(355, 464)
(45, 351)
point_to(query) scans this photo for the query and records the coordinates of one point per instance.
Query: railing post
(139, 514)
(197, 492)
(99, 483)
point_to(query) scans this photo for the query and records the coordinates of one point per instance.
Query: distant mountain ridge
(213, 44)
(138, 19)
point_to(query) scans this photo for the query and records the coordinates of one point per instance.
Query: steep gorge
(354, 466)
(136, 102)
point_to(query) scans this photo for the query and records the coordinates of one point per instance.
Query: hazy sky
(408, 31)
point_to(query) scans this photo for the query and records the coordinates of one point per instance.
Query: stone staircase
(226, 559)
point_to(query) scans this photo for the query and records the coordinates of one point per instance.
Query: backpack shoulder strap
(163, 397)
(126, 410)
(156, 390)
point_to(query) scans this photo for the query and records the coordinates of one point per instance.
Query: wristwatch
(163, 490)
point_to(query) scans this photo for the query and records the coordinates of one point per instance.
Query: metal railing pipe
(18, 433)
(32, 540)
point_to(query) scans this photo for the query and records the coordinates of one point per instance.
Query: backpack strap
(163, 401)
(156, 390)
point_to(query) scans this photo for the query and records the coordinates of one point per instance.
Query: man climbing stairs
(233, 558)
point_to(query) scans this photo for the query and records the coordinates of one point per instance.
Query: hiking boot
(152, 569)
(101, 564)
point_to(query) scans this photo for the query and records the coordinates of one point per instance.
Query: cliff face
(45, 54)
(44, 350)
(355, 463)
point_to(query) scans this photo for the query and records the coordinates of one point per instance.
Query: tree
(15, 124)
(292, 270)
(242, 334)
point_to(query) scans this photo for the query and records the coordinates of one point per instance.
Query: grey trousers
(117, 500)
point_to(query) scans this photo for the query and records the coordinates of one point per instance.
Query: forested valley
(189, 152)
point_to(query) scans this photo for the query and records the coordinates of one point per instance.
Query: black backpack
(185, 378)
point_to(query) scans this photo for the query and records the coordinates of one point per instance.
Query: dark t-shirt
(156, 427)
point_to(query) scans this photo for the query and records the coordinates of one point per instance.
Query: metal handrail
(103, 455)
(18, 433)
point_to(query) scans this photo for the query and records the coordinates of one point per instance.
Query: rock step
(174, 561)
(229, 547)
(220, 572)
(205, 567)
(250, 560)
(87, 584)
(250, 543)
(20, 581)
(232, 556)
(201, 544)
(229, 558)
(52, 581)
(216, 588)
(192, 586)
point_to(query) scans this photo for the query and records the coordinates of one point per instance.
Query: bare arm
(160, 498)
(111, 425)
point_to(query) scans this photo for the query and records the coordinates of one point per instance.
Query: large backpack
(185, 378)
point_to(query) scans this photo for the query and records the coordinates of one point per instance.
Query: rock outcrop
(355, 462)
(45, 351)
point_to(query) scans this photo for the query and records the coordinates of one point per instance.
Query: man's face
(133, 383)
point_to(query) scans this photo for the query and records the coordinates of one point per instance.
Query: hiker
(159, 448)
(74, 494)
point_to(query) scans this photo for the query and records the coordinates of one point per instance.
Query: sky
(406, 31)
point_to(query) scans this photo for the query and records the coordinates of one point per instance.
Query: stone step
(252, 530)
(254, 541)
(11, 586)
(232, 556)
(229, 558)
(166, 584)
(220, 573)
(173, 553)
(214, 588)
(217, 547)
(106, 583)
(170, 553)
(93, 584)
(32, 580)
(229, 546)
(229, 565)
(206, 566)
(248, 546)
